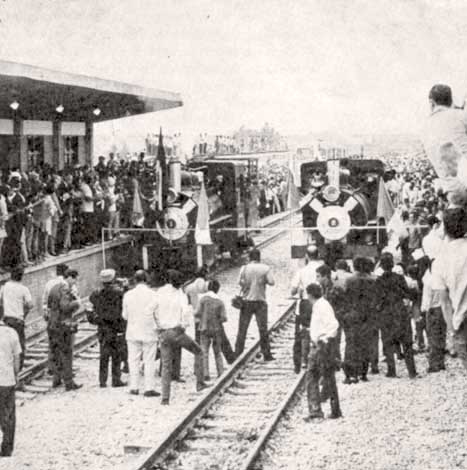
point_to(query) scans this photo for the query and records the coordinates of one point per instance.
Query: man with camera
(61, 305)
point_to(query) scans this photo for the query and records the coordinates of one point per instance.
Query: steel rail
(36, 370)
(157, 455)
(272, 423)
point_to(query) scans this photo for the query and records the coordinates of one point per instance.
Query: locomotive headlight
(333, 222)
(331, 193)
(174, 224)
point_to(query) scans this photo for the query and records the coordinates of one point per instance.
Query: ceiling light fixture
(60, 108)
(96, 111)
(14, 106)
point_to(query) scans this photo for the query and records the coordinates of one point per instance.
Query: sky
(302, 66)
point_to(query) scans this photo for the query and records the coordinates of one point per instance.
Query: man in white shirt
(433, 240)
(445, 125)
(171, 314)
(303, 278)
(450, 278)
(17, 303)
(10, 354)
(141, 334)
(306, 275)
(321, 362)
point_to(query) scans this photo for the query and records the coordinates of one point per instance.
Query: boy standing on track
(321, 362)
(211, 314)
(10, 353)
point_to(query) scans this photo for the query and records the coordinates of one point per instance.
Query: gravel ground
(387, 424)
(89, 428)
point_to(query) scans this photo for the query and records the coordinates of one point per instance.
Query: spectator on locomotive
(450, 278)
(445, 125)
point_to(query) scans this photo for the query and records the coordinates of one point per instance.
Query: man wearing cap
(107, 304)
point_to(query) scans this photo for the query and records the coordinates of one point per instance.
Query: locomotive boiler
(340, 208)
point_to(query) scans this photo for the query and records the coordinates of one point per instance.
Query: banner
(202, 231)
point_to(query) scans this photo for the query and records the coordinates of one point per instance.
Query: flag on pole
(293, 196)
(385, 208)
(202, 232)
(137, 216)
(164, 172)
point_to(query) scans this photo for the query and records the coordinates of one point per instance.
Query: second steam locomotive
(340, 208)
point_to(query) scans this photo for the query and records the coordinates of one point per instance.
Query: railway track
(33, 378)
(229, 427)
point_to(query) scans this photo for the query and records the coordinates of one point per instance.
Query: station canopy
(38, 92)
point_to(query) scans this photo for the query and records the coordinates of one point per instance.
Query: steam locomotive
(339, 209)
(231, 189)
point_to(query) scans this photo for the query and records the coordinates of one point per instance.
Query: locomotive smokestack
(175, 172)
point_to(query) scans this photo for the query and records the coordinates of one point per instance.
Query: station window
(35, 151)
(71, 150)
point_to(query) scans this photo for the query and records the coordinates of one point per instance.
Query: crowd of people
(44, 212)
(415, 292)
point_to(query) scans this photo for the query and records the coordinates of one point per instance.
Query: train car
(231, 189)
(340, 208)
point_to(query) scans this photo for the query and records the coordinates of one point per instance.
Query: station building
(47, 116)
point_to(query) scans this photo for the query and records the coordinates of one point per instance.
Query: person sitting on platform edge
(61, 306)
(253, 280)
(211, 314)
(107, 303)
(321, 362)
(171, 311)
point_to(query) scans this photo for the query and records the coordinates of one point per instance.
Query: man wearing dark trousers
(393, 316)
(61, 307)
(10, 352)
(322, 359)
(254, 277)
(107, 303)
(171, 312)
